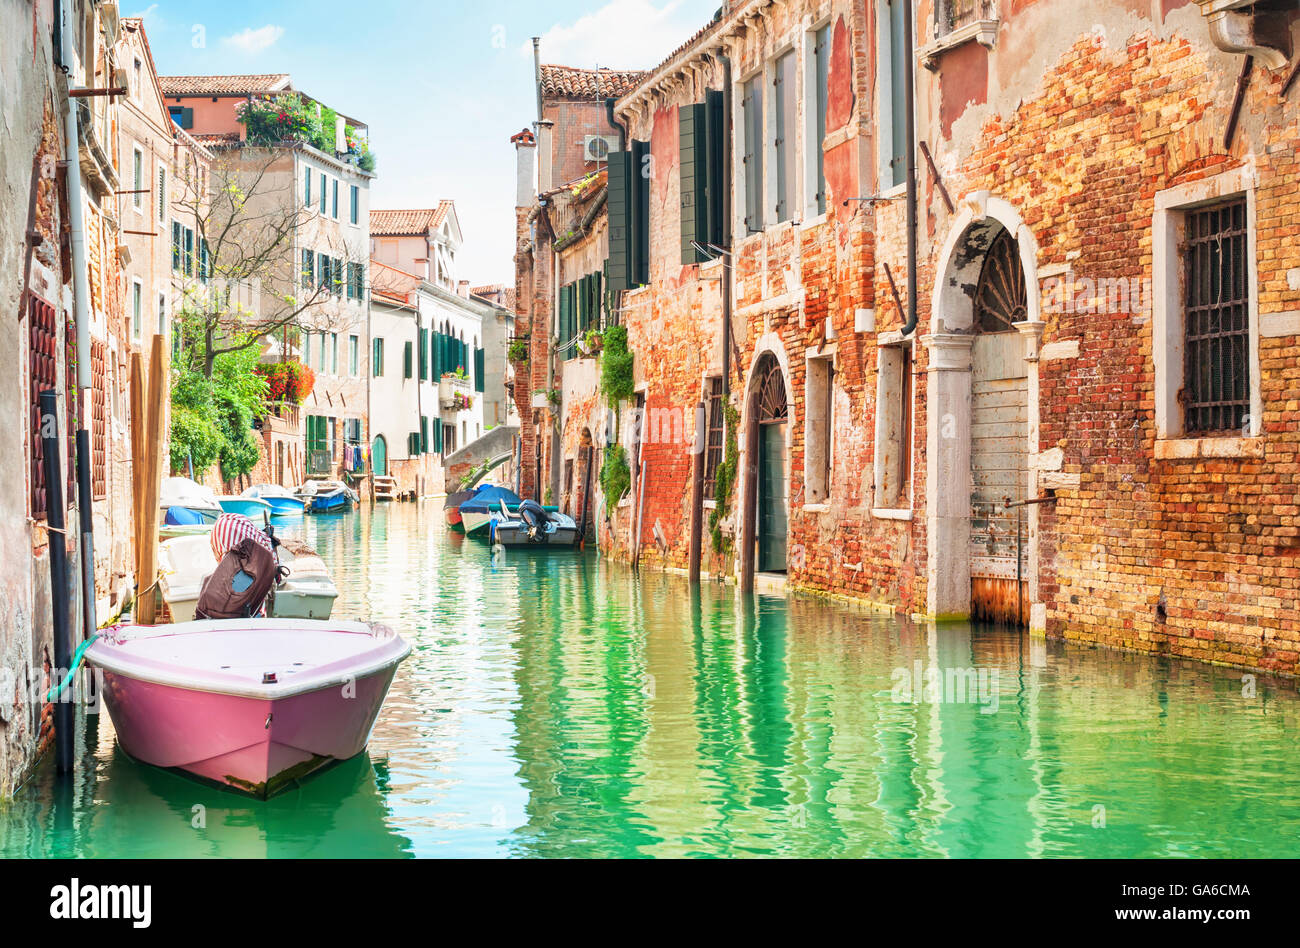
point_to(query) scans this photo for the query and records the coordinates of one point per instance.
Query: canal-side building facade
(1089, 429)
(322, 195)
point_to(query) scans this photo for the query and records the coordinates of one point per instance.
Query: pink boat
(251, 704)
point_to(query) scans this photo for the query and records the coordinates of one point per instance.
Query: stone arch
(954, 485)
(770, 356)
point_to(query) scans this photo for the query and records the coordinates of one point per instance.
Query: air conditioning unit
(110, 22)
(598, 147)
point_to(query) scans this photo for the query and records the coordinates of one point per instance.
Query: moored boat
(451, 509)
(281, 500)
(477, 512)
(251, 507)
(327, 496)
(180, 495)
(532, 525)
(254, 705)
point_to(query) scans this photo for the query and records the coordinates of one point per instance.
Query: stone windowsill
(984, 32)
(814, 221)
(891, 513)
(710, 505)
(1174, 449)
(817, 508)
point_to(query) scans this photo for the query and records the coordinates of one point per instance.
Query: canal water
(557, 705)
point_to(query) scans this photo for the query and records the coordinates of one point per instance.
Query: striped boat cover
(232, 529)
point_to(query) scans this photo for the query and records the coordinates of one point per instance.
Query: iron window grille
(954, 14)
(716, 437)
(1216, 381)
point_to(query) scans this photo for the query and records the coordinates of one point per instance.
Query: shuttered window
(751, 104)
(306, 187)
(821, 81)
(692, 141)
(620, 220)
(783, 98)
(355, 202)
(377, 357)
(480, 382)
(899, 62)
(424, 433)
(406, 360)
(322, 192)
(162, 195)
(641, 174)
(424, 354)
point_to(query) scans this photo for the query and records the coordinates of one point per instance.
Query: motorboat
(253, 508)
(184, 502)
(254, 705)
(531, 525)
(476, 512)
(185, 562)
(327, 496)
(282, 501)
(451, 509)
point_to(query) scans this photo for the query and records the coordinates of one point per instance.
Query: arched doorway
(766, 526)
(981, 420)
(999, 433)
(379, 456)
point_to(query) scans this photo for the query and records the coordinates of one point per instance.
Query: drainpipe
(537, 73)
(1236, 27)
(615, 123)
(728, 272)
(81, 309)
(909, 94)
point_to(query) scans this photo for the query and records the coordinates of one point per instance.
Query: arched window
(1001, 299)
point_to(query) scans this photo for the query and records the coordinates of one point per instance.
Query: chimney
(462, 288)
(340, 134)
(544, 156)
(525, 167)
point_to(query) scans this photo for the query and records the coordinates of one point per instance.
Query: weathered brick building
(1091, 426)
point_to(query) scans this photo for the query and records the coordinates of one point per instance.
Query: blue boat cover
(182, 517)
(490, 497)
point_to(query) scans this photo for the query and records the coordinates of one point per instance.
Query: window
(406, 360)
(308, 268)
(98, 419)
(893, 466)
(306, 348)
(784, 110)
(43, 341)
(162, 314)
(181, 116)
(954, 14)
(424, 354)
(322, 192)
(137, 88)
(177, 243)
(751, 104)
(1216, 330)
(1205, 322)
(629, 217)
(377, 357)
(334, 353)
(336, 276)
(205, 262)
(137, 180)
(323, 271)
(137, 309)
(306, 187)
(354, 356)
(899, 60)
(715, 437)
(354, 213)
(424, 434)
(321, 365)
(819, 422)
(334, 207)
(704, 177)
(189, 252)
(162, 195)
(356, 281)
(818, 101)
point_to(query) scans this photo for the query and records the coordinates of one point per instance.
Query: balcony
(455, 393)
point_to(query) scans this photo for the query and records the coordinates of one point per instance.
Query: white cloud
(254, 41)
(625, 34)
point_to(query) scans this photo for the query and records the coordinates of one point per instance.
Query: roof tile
(223, 85)
(571, 82)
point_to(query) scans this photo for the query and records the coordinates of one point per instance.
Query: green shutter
(693, 145)
(480, 383)
(424, 354)
(406, 360)
(619, 203)
(640, 213)
(716, 169)
(437, 438)
(424, 434)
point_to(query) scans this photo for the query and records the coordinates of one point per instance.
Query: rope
(77, 658)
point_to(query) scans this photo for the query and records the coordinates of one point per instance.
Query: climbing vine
(616, 381)
(724, 479)
(615, 476)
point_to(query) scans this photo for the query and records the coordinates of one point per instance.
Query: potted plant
(592, 342)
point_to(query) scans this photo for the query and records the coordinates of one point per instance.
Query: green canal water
(556, 705)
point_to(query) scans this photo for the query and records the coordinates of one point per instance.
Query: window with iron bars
(954, 14)
(716, 433)
(1216, 330)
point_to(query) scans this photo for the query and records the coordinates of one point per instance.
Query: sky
(442, 85)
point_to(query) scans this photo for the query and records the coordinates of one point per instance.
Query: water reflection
(556, 705)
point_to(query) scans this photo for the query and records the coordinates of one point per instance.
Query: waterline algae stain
(558, 706)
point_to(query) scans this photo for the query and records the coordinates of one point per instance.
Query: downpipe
(81, 310)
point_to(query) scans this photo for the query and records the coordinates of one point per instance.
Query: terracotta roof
(216, 138)
(408, 223)
(570, 82)
(223, 85)
(491, 294)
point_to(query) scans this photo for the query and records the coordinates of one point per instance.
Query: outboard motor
(535, 516)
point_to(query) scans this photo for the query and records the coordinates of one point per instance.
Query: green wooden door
(379, 457)
(772, 498)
